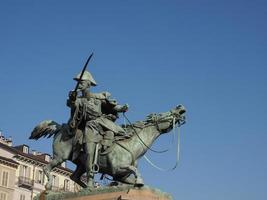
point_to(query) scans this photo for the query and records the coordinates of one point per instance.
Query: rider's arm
(113, 104)
(121, 108)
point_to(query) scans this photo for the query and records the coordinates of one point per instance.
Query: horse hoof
(114, 183)
(139, 185)
(139, 182)
(89, 188)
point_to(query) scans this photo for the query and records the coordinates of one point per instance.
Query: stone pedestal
(118, 193)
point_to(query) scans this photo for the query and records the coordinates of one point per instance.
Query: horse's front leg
(47, 171)
(76, 176)
(137, 181)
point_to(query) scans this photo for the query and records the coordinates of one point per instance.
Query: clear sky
(209, 56)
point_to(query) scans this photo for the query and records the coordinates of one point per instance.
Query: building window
(3, 196)
(63, 164)
(55, 180)
(39, 177)
(25, 171)
(4, 178)
(22, 197)
(47, 158)
(25, 149)
(66, 185)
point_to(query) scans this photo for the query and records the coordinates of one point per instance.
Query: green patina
(95, 143)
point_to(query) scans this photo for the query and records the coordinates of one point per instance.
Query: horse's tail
(46, 128)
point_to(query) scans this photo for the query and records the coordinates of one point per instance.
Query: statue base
(109, 193)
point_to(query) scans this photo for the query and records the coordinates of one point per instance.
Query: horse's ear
(179, 106)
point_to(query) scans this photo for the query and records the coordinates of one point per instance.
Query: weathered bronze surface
(95, 143)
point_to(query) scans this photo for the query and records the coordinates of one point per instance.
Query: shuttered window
(25, 171)
(4, 178)
(39, 177)
(22, 197)
(3, 196)
(66, 185)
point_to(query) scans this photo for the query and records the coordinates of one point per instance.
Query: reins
(156, 151)
(177, 155)
(177, 150)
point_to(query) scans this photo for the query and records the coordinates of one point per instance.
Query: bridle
(155, 120)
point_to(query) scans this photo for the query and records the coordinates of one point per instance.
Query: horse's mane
(132, 128)
(150, 120)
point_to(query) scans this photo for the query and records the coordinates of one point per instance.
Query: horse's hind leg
(48, 168)
(76, 176)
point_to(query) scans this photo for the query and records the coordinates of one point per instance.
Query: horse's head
(178, 113)
(166, 121)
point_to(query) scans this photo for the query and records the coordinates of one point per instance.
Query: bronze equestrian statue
(95, 143)
(120, 160)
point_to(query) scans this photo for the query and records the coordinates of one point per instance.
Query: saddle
(106, 140)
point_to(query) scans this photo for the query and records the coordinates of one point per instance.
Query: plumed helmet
(87, 76)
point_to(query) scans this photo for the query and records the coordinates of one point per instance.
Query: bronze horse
(121, 161)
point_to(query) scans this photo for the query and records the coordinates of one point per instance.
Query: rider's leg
(89, 150)
(108, 139)
(90, 140)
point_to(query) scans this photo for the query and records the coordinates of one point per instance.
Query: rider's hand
(73, 95)
(125, 107)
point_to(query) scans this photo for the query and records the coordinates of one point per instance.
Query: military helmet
(87, 76)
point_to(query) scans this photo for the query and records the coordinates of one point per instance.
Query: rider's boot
(90, 148)
(90, 180)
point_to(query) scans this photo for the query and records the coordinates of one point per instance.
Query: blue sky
(209, 56)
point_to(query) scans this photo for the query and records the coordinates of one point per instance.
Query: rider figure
(93, 114)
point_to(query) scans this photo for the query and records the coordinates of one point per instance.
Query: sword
(73, 94)
(84, 68)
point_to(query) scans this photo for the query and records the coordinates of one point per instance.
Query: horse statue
(118, 161)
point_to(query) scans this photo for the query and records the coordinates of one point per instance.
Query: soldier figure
(94, 114)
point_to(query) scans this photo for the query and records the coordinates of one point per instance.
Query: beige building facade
(21, 172)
